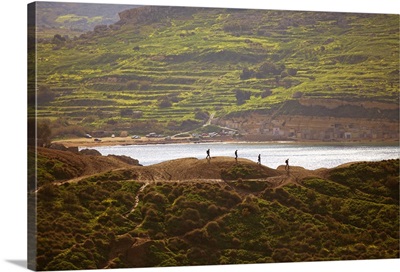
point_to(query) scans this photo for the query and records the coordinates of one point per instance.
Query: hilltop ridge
(197, 212)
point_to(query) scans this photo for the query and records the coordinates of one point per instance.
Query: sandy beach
(111, 141)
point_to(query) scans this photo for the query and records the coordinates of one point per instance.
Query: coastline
(124, 141)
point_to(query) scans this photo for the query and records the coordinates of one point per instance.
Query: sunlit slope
(173, 64)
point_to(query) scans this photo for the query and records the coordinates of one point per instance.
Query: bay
(308, 156)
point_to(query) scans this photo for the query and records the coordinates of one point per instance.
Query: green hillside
(165, 69)
(116, 219)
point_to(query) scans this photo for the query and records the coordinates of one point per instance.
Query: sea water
(272, 154)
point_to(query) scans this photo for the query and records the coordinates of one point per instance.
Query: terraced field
(159, 67)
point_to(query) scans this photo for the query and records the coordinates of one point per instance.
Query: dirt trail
(295, 175)
(215, 170)
(137, 199)
(193, 168)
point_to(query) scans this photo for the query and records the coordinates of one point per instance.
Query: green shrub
(63, 265)
(283, 255)
(48, 192)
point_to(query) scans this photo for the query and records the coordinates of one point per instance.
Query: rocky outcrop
(57, 146)
(319, 119)
(126, 159)
(335, 103)
(91, 152)
(61, 147)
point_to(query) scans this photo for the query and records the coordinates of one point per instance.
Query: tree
(58, 39)
(44, 95)
(247, 73)
(43, 133)
(165, 103)
(242, 96)
(200, 115)
(266, 93)
(292, 71)
(270, 68)
(126, 112)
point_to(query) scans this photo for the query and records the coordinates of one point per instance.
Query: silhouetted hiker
(259, 159)
(208, 154)
(287, 165)
(236, 156)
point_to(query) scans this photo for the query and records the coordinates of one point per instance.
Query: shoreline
(125, 141)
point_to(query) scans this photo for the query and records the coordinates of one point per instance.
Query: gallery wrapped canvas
(164, 136)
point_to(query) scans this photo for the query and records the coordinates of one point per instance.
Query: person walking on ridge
(287, 165)
(208, 154)
(259, 159)
(236, 156)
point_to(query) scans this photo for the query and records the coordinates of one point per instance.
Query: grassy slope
(194, 60)
(347, 213)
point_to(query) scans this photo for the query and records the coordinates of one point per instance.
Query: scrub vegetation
(124, 218)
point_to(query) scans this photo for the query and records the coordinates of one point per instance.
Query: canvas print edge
(32, 244)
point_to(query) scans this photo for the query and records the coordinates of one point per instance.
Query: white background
(13, 128)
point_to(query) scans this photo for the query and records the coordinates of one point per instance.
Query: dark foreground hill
(55, 165)
(191, 212)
